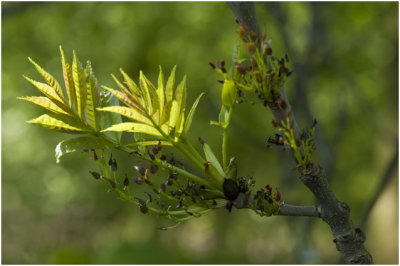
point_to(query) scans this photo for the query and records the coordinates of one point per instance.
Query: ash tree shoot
(157, 115)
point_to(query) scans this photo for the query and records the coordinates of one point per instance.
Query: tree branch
(292, 210)
(348, 239)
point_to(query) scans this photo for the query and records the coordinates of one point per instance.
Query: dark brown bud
(95, 175)
(163, 157)
(143, 209)
(112, 183)
(220, 81)
(250, 47)
(201, 141)
(243, 32)
(278, 196)
(212, 65)
(153, 168)
(95, 155)
(154, 150)
(281, 103)
(126, 181)
(163, 187)
(230, 188)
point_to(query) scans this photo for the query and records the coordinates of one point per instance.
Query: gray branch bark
(348, 239)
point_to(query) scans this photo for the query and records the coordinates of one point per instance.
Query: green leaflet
(123, 98)
(180, 95)
(161, 92)
(210, 156)
(92, 98)
(169, 89)
(174, 114)
(179, 125)
(128, 112)
(150, 94)
(110, 118)
(134, 127)
(133, 99)
(131, 84)
(45, 103)
(61, 123)
(68, 79)
(48, 91)
(81, 143)
(190, 115)
(49, 78)
(80, 85)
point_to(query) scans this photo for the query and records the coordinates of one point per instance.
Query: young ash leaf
(49, 78)
(68, 79)
(80, 85)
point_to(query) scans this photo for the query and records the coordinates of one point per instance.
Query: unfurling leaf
(81, 143)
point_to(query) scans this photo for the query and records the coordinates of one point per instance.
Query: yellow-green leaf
(132, 97)
(80, 85)
(174, 114)
(123, 98)
(161, 92)
(210, 156)
(92, 101)
(49, 78)
(180, 94)
(128, 112)
(134, 127)
(166, 113)
(190, 115)
(61, 123)
(169, 89)
(47, 90)
(45, 103)
(68, 79)
(81, 143)
(131, 84)
(150, 94)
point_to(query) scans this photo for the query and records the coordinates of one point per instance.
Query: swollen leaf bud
(228, 92)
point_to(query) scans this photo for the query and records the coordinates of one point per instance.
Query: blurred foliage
(345, 60)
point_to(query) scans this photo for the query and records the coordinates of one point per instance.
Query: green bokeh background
(345, 75)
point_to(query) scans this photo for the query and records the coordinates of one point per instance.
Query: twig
(348, 239)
